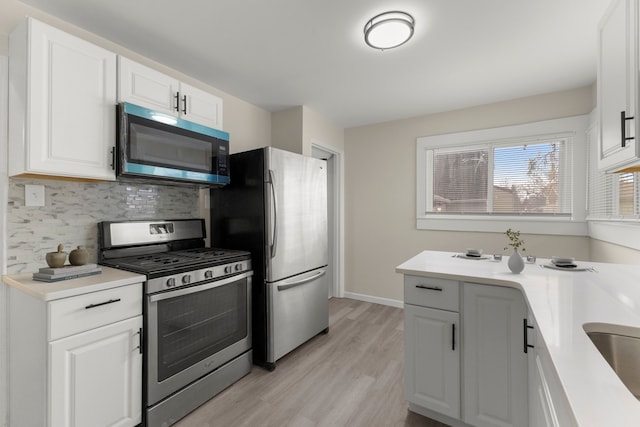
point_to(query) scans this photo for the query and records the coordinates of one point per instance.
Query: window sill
(623, 233)
(555, 226)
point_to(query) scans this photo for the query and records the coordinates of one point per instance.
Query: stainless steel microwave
(160, 147)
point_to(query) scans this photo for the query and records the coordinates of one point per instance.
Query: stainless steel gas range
(197, 311)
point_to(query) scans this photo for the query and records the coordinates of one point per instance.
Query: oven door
(192, 331)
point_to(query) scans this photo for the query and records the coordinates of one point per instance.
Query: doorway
(335, 214)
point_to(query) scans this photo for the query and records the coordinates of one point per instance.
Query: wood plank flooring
(351, 376)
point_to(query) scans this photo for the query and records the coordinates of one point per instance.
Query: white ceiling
(282, 53)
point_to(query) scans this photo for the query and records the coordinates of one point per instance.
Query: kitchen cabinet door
(96, 377)
(548, 405)
(62, 96)
(617, 86)
(200, 106)
(149, 88)
(146, 87)
(495, 364)
(432, 359)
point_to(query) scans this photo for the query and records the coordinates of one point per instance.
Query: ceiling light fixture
(389, 30)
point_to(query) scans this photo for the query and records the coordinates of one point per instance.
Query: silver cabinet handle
(430, 288)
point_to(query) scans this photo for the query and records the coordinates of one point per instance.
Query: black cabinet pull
(113, 158)
(111, 301)
(453, 336)
(525, 326)
(431, 288)
(184, 104)
(140, 336)
(623, 129)
(177, 98)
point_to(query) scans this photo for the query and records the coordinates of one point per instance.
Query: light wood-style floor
(350, 377)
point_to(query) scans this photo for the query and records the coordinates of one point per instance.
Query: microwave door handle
(274, 237)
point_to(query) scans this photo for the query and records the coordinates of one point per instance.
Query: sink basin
(622, 352)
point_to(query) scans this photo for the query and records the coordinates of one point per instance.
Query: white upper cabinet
(618, 87)
(62, 95)
(149, 88)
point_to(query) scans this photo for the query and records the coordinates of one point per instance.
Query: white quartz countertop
(562, 302)
(109, 278)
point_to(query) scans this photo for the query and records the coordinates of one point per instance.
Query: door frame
(337, 234)
(4, 198)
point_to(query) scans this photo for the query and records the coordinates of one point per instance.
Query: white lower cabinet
(432, 372)
(465, 363)
(495, 363)
(548, 406)
(97, 377)
(76, 361)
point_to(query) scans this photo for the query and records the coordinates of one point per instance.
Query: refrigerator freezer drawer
(298, 310)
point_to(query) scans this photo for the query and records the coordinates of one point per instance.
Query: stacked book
(66, 272)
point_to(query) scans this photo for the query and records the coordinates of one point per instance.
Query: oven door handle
(199, 288)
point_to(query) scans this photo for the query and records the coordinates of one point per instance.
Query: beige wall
(248, 126)
(380, 191)
(296, 129)
(602, 251)
(317, 129)
(286, 129)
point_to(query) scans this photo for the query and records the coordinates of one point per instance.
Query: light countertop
(109, 278)
(561, 303)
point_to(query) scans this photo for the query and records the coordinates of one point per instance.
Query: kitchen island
(606, 297)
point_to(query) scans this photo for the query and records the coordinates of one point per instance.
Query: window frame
(573, 129)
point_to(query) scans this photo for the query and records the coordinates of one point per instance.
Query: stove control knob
(208, 274)
(186, 279)
(238, 267)
(171, 282)
(228, 269)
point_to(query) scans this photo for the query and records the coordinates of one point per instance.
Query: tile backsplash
(72, 210)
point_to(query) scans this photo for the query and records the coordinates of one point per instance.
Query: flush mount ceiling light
(389, 30)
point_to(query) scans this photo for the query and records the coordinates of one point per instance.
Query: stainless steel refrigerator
(276, 207)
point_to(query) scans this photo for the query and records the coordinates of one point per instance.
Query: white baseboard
(375, 300)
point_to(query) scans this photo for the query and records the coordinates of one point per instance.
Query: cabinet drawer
(431, 292)
(81, 313)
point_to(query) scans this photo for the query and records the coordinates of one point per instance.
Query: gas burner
(132, 247)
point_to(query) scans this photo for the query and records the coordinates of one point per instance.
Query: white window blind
(611, 196)
(518, 178)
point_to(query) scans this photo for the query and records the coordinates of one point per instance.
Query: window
(528, 174)
(612, 197)
(521, 178)
(613, 201)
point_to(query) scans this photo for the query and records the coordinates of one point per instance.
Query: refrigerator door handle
(274, 239)
(289, 285)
